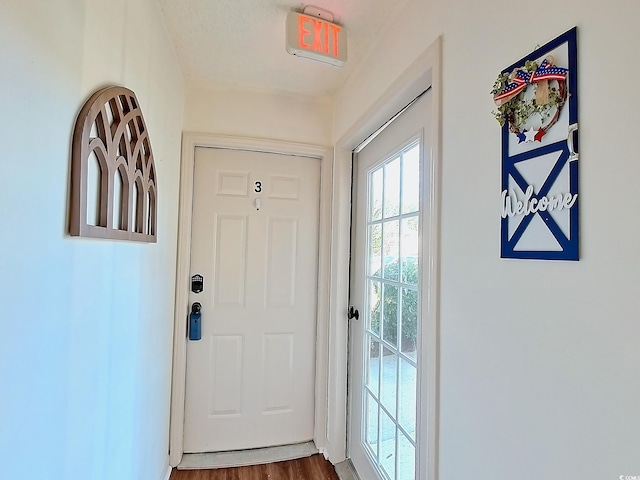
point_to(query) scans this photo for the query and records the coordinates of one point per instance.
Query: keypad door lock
(197, 283)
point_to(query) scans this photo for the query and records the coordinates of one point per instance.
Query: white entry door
(250, 379)
(387, 286)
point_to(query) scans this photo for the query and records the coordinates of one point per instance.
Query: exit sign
(315, 38)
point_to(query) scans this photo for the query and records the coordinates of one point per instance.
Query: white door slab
(250, 379)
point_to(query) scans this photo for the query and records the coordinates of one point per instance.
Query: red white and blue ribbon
(547, 71)
(522, 78)
(513, 88)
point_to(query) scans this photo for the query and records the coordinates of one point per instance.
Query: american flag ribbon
(546, 71)
(514, 87)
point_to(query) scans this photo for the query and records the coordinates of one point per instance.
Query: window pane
(375, 306)
(374, 366)
(371, 426)
(409, 250)
(391, 249)
(390, 314)
(389, 381)
(406, 458)
(411, 180)
(375, 203)
(409, 324)
(407, 405)
(375, 250)
(388, 445)
(392, 188)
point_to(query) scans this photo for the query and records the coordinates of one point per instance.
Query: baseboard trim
(241, 458)
(346, 471)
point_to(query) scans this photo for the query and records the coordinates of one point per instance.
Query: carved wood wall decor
(113, 176)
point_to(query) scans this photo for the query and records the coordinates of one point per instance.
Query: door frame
(424, 73)
(325, 430)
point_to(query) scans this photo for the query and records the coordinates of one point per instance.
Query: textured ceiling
(241, 43)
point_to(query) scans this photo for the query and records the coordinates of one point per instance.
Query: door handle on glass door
(353, 313)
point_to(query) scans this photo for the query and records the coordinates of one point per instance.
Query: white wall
(539, 360)
(250, 113)
(85, 348)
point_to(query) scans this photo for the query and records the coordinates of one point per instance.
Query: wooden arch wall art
(113, 176)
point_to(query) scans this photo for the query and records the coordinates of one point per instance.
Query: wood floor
(314, 467)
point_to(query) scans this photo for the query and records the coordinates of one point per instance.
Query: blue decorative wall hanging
(537, 106)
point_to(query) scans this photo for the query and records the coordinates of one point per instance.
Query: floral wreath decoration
(515, 109)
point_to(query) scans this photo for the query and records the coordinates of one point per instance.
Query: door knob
(195, 322)
(353, 313)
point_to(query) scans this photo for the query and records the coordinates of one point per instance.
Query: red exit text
(315, 38)
(315, 34)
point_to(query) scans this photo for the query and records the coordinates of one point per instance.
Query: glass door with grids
(384, 377)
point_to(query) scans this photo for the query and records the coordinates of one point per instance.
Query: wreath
(516, 104)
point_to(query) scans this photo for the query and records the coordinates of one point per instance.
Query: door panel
(386, 253)
(282, 245)
(230, 267)
(250, 380)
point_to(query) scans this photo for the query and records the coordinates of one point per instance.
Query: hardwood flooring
(314, 467)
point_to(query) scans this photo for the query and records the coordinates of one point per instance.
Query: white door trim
(425, 72)
(323, 432)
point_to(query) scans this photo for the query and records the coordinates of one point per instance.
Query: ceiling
(241, 43)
